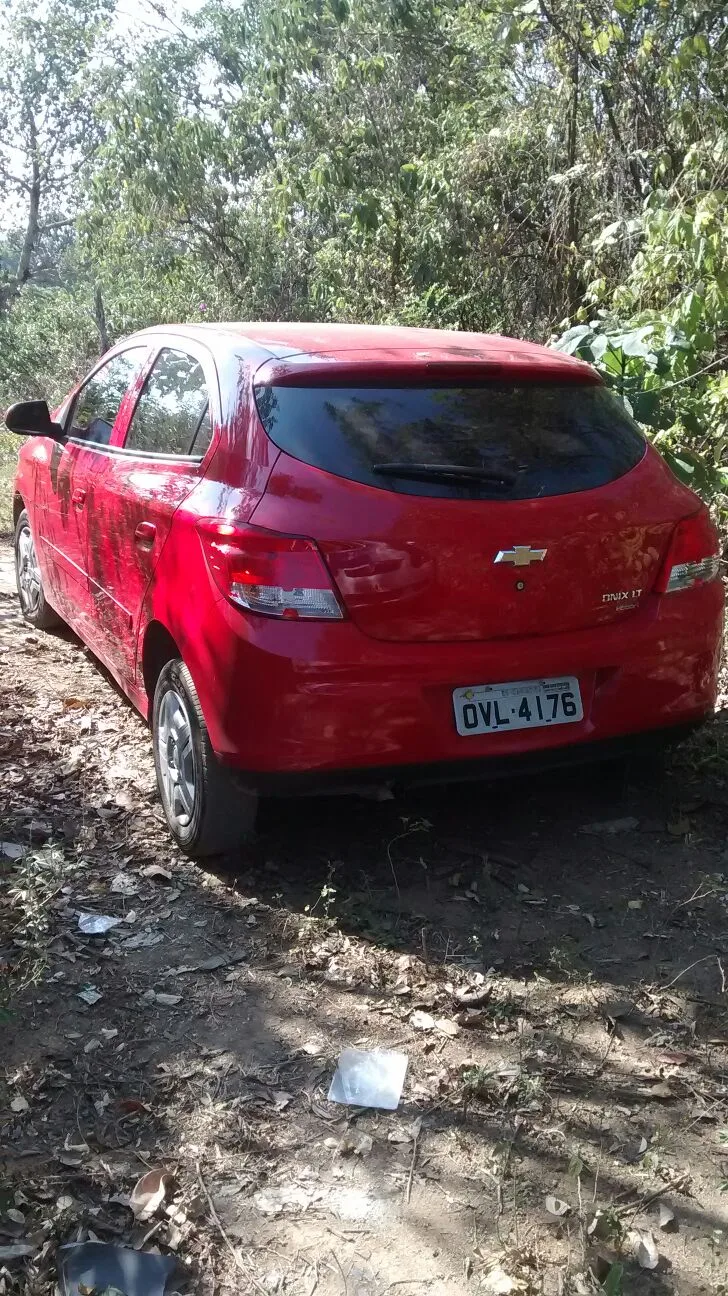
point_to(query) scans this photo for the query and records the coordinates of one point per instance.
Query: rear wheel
(208, 813)
(33, 603)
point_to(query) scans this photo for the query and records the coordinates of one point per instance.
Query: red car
(331, 556)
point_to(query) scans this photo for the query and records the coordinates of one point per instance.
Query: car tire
(207, 810)
(29, 583)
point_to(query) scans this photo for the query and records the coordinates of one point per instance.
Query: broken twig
(242, 1266)
(415, 1144)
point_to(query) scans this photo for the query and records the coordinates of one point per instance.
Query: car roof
(351, 346)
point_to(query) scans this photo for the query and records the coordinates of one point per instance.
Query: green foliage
(659, 337)
(46, 342)
(9, 446)
(497, 168)
(50, 71)
(612, 1285)
(655, 369)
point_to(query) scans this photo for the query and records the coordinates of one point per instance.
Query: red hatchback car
(331, 556)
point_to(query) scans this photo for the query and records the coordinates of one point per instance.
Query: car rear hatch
(467, 501)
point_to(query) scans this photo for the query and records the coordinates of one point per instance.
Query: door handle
(144, 535)
(78, 498)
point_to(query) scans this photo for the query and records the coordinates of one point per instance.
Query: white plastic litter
(90, 995)
(96, 924)
(12, 850)
(369, 1079)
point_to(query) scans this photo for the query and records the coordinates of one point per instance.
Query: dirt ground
(565, 1131)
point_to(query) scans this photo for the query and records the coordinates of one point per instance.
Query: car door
(76, 469)
(169, 433)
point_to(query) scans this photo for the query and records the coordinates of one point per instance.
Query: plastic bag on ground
(369, 1078)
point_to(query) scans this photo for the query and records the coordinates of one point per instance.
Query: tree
(50, 67)
(520, 166)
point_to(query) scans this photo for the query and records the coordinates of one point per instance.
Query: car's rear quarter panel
(182, 595)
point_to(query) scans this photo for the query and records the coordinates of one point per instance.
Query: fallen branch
(242, 1266)
(408, 1190)
(644, 1202)
(689, 968)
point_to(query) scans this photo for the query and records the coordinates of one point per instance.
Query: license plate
(524, 704)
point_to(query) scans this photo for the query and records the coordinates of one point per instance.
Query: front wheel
(208, 813)
(33, 603)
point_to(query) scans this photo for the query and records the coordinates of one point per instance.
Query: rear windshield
(484, 441)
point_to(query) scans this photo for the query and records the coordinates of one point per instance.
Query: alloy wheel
(177, 762)
(29, 586)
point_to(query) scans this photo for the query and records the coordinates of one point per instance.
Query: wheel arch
(18, 506)
(158, 648)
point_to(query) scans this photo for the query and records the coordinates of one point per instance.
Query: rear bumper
(487, 768)
(323, 701)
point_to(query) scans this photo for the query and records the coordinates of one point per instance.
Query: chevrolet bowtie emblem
(520, 555)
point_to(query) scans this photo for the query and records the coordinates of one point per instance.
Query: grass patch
(28, 888)
(9, 446)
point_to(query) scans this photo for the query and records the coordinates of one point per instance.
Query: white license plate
(524, 704)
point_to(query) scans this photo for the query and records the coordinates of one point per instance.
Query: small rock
(556, 1207)
(645, 1250)
(666, 1220)
(611, 827)
(446, 1026)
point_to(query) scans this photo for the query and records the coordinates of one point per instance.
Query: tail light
(693, 556)
(276, 575)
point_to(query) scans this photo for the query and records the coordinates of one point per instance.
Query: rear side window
(172, 416)
(98, 402)
(485, 441)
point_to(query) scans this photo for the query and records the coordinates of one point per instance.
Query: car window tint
(203, 436)
(492, 440)
(172, 414)
(97, 404)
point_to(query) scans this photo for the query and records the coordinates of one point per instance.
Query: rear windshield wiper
(444, 472)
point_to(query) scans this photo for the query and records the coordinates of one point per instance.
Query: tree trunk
(395, 264)
(25, 259)
(100, 317)
(573, 284)
(603, 90)
(24, 267)
(632, 166)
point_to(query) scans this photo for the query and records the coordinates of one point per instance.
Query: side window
(97, 404)
(173, 412)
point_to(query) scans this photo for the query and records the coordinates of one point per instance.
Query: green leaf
(614, 361)
(612, 1285)
(409, 175)
(599, 345)
(633, 344)
(574, 338)
(367, 212)
(646, 407)
(676, 339)
(691, 312)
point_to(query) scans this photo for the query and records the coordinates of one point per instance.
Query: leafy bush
(660, 337)
(651, 366)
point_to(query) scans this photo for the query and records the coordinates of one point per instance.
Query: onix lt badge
(520, 555)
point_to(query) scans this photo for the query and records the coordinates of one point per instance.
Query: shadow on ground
(596, 1069)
